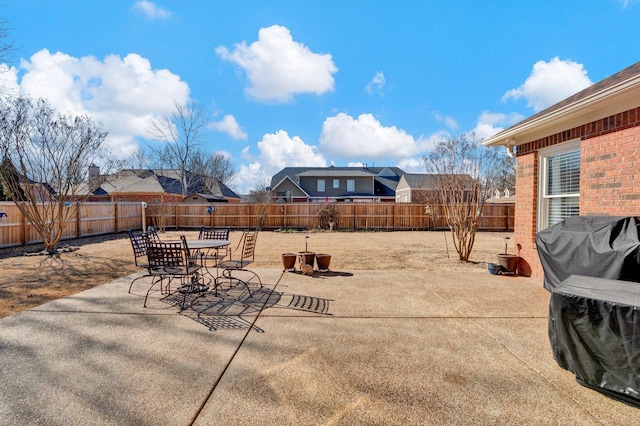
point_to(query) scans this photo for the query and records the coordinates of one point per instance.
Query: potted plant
(307, 257)
(323, 261)
(509, 262)
(289, 261)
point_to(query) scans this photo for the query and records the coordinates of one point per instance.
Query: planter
(307, 258)
(509, 262)
(323, 261)
(289, 260)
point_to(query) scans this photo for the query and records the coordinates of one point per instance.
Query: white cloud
(277, 151)
(490, 123)
(277, 67)
(125, 94)
(376, 85)
(150, 10)
(229, 125)
(551, 82)
(8, 81)
(248, 177)
(412, 165)
(365, 138)
(450, 122)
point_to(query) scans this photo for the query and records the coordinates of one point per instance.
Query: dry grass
(28, 281)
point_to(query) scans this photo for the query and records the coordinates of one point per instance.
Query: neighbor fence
(107, 218)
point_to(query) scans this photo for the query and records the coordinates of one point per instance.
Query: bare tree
(137, 160)
(179, 135)
(464, 172)
(214, 168)
(6, 48)
(45, 158)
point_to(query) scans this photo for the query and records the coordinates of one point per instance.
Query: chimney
(94, 177)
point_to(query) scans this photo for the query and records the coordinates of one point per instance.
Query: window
(320, 185)
(351, 185)
(336, 183)
(559, 184)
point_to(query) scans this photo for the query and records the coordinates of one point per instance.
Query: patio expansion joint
(231, 359)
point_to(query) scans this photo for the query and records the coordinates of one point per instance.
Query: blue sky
(315, 83)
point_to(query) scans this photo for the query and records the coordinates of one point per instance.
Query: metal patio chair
(139, 242)
(213, 256)
(240, 258)
(170, 261)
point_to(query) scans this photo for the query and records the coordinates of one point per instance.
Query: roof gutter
(612, 100)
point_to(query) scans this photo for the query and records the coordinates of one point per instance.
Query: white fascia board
(614, 100)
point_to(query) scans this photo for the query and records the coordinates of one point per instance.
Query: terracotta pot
(289, 260)
(323, 261)
(509, 262)
(307, 257)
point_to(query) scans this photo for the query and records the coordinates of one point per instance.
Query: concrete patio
(346, 347)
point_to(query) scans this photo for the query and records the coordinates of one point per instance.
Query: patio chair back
(213, 233)
(171, 260)
(139, 244)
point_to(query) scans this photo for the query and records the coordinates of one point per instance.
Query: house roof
(292, 172)
(421, 181)
(158, 181)
(615, 94)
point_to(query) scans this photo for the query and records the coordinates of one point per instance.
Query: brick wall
(609, 176)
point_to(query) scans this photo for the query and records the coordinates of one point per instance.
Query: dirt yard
(28, 281)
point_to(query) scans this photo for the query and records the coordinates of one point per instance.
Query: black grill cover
(596, 246)
(594, 329)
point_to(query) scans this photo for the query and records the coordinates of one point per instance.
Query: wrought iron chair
(173, 260)
(240, 258)
(216, 256)
(139, 244)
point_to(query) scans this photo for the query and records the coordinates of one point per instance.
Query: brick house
(580, 156)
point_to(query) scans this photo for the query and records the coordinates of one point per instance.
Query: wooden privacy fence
(88, 219)
(353, 216)
(107, 218)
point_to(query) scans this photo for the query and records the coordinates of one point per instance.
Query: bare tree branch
(464, 172)
(180, 134)
(45, 157)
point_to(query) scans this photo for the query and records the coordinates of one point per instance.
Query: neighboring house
(580, 156)
(154, 186)
(504, 196)
(342, 184)
(43, 192)
(416, 188)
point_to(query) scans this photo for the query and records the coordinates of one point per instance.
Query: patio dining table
(205, 247)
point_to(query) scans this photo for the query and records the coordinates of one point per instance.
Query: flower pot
(307, 258)
(509, 262)
(323, 261)
(289, 260)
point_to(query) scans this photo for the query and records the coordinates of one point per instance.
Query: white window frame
(336, 183)
(321, 185)
(351, 185)
(543, 175)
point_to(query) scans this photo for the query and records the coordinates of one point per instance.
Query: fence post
(25, 233)
(143, 214)
(116, 228)
(78, 224)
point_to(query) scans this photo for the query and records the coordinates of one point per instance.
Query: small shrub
(329, 215)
